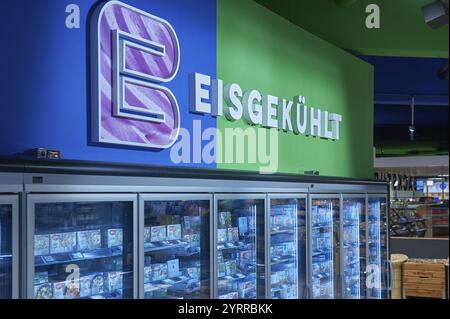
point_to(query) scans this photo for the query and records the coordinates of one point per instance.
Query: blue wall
(44, 82)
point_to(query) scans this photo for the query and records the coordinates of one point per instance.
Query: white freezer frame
(13, 201)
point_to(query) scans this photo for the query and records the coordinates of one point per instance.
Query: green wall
(260, 50)
(403, 31)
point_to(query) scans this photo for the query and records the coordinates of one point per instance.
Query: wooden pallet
(424, 280)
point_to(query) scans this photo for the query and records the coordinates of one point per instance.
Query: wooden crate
(426, 280)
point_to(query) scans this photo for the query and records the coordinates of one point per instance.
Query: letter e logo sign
(133, 54)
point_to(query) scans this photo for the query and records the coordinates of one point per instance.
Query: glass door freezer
(323, 239)
(286, 254)
(82, 246)
(353, 246)
(8, 247)
(378, 274)
(239, 246)
(175, 251)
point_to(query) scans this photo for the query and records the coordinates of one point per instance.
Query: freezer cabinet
(175, 252)
(286, 255)
(8, 247)
(239, 247)
(82, 246)
(323, 239)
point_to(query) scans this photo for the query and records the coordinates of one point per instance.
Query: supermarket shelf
(282, 231)
(55, 259)
(169, 281)
(282, 261)
(231, 278)
(232, 245)
(149, 248)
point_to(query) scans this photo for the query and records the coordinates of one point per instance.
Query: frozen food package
(115, 237)
(193, 272)
(222, 219)
(158, 233)
(85, 286)
(174, 232)
(221, 270)
(159, 271)
(41, 245)
(72, 289)
(230, 267)
(97, 284)
(222, 235)
(115, 281)
(59, 290)
(89, 240)
(148, 274)
(233, 234)
(243, 226)
(147, 235)
(44, 291)
(173, 268)
(63, 242)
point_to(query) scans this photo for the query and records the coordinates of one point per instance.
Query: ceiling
(402, 31)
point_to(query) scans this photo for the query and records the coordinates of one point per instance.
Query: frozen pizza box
(44, 291)
(174, 232)
(115, 237)
(41, 245)
(89, 240)
(63, 242)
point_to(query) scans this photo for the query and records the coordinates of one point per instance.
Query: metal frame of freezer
(143, 198)
(13, 201)
(61, 198)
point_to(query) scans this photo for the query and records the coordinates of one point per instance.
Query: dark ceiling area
(397, 81)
